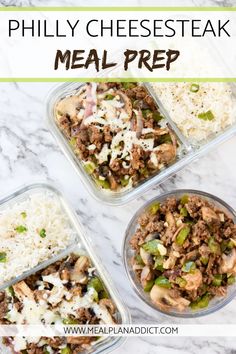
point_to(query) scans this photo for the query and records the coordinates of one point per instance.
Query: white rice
(184, 107)
(27, 249)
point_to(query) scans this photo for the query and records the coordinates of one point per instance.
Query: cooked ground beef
(3, 309)
(185, 245)
(76, 277)
(115, 130)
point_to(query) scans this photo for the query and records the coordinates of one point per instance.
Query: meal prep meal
(118, 133)
(184, 252)
(199, 110)
(32, 231)
(68, 291)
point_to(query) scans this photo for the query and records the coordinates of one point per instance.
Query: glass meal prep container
(186, 151)
(78, 245)
(169, 277)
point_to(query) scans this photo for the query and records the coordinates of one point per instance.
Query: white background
(23, 57)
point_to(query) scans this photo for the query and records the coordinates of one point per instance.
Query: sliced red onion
(90, 101)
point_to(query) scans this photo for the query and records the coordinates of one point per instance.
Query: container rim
(192, 151)
(226, 300)
(86, 245)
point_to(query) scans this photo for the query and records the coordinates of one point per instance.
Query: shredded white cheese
(129, 139)
(67, 308)
(103, 154)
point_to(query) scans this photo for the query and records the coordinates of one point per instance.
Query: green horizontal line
(149, 79)
(129, 8)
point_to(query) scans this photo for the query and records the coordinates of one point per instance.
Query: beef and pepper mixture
(68, 292)
(116, 129)
(184, 252)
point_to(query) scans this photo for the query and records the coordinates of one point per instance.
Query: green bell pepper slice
(66, 350)
(163, 282)
(217, 280)
(152, 247)
(182, 235)
(154, 208)
(188, 267)
(148, 286)
(214, 246)
(201, 302)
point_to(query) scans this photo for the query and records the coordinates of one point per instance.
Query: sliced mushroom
(166, 153)
(78, 273)
(194, 280)
(222, 217)
(136, 265)
(171, 227)
(228, 263)
(65, 274)
(146, 276)
(152, 236)
(102, 311)
(166, 299)
(102, 87)
(109, 304)
(112, 181)
(81, 264)
(80, 278)
(146, 257)
(162, 249)
(68, 106)
(170, 262)
(22, 291)
(209, 215)
(160, 131)
(170, 220)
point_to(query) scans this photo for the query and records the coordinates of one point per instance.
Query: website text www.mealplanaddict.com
(136, 330)
(119, 330)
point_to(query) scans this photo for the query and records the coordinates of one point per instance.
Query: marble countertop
(29, 153)
(117, 3)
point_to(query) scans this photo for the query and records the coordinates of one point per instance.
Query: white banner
(117, 44)
(119, 330)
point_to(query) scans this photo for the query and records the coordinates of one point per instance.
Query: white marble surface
(29, 153)
(117, 3)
